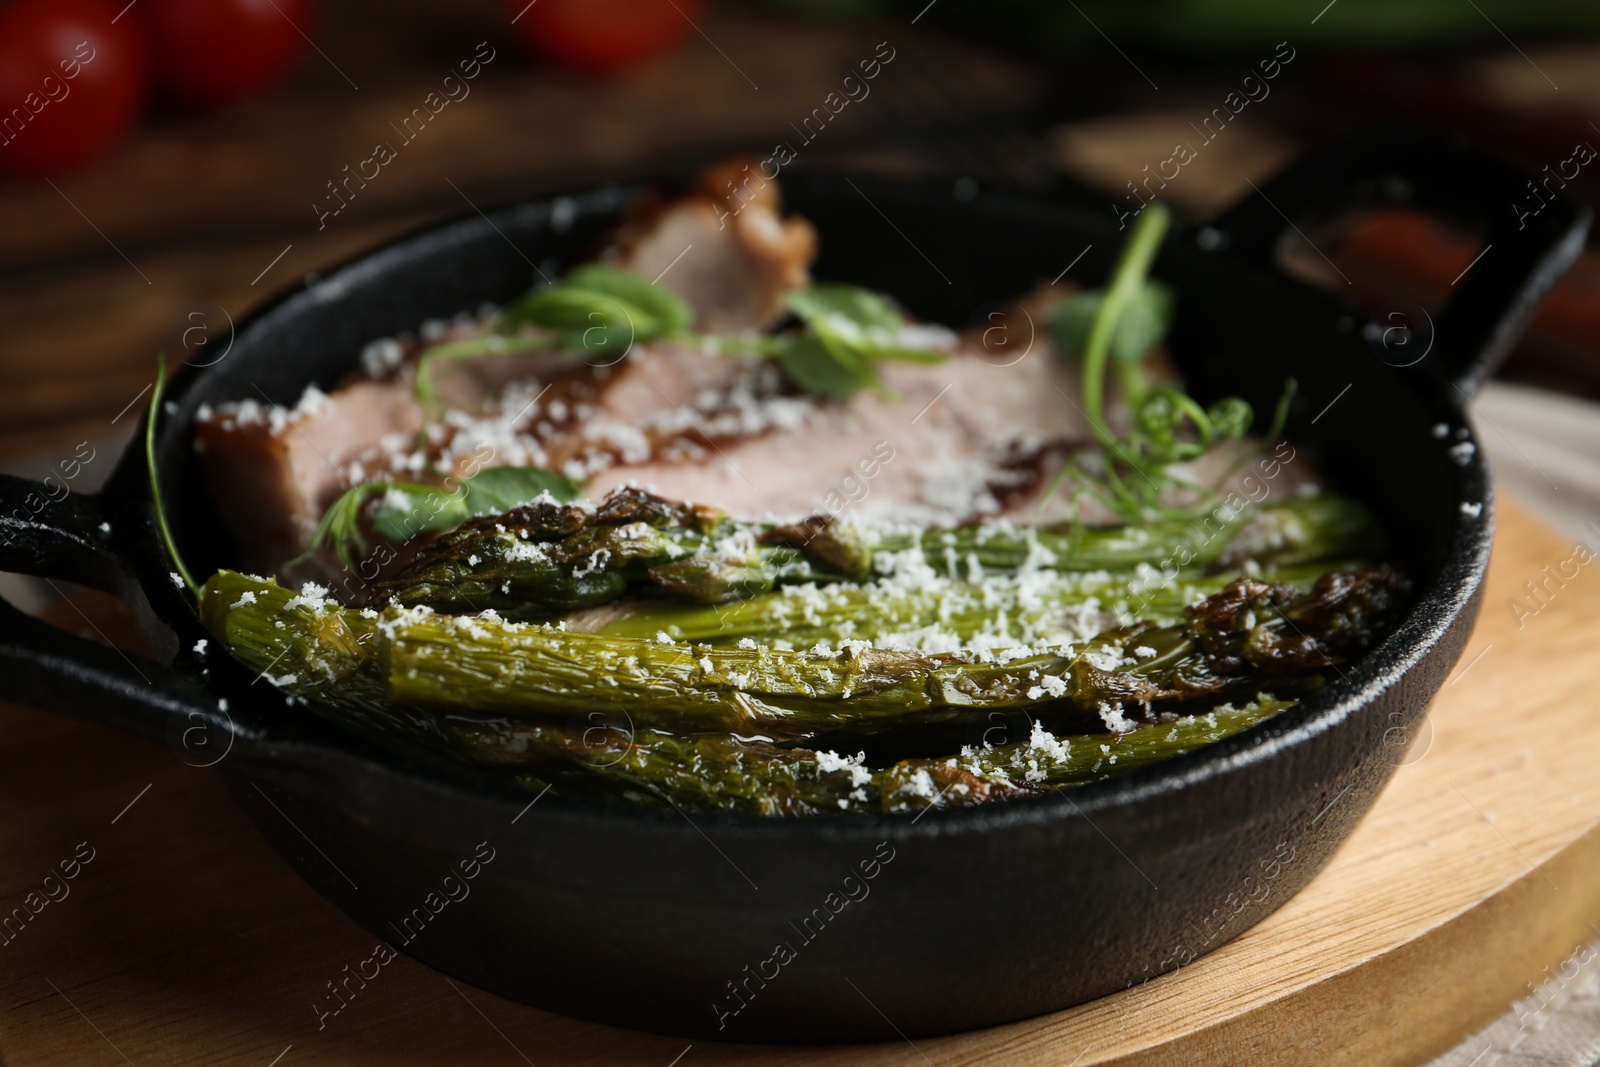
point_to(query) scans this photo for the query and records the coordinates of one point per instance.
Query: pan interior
(1238, 330)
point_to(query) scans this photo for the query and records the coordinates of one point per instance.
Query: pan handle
(54, 533)
(1528, 242)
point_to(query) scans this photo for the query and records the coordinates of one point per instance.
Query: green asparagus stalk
(316, 652)
(395, 672)
(722, 773)
(300, 641)
(1230, 644)
(694, 773)
(543, 560)
(1047, 760)
(753, 775)
(1054, 611)
(472, 664)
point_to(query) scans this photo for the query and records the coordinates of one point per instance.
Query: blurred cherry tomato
(602, 36)
(71, 82)
(212, 52)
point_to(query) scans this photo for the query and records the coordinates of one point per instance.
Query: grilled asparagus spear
(1230, 644)
(1242, 640)
(1055, 610)
(1049, 760)
(607, 758)
(542, 560)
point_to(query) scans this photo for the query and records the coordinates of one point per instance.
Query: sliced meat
(725, 248)
(980, 435)
(959, 441)
(666, 376)
(969, 438)
(974, 437)
(673, 405)
(273, 471)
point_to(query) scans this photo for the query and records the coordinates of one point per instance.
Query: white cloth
(1545, 451)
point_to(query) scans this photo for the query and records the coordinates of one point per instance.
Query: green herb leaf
(1114, 329)
(1142, 325)
(406, 511)
(492, 491)
(848, 330)
(340, 526)
(660, 303)
(846, 310)
(825, 370)
(600, 309)
(588, 319)
(904, 355)
(409, 509)
(497, 489)
(596, 309)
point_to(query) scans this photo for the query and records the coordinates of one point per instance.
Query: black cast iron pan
(647, 919)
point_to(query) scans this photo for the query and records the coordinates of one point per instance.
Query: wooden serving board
(185, 940)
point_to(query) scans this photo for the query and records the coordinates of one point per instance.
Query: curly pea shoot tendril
(1129, 475)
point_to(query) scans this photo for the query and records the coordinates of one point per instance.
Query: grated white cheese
(855, 766)
(381, 357)
(1050, 685)
(311, 596)
(1103, 659)
(1111, 714)
(597, 563)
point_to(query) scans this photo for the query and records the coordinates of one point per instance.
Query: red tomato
(602, 36)
(210, 52)
(72, 80)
